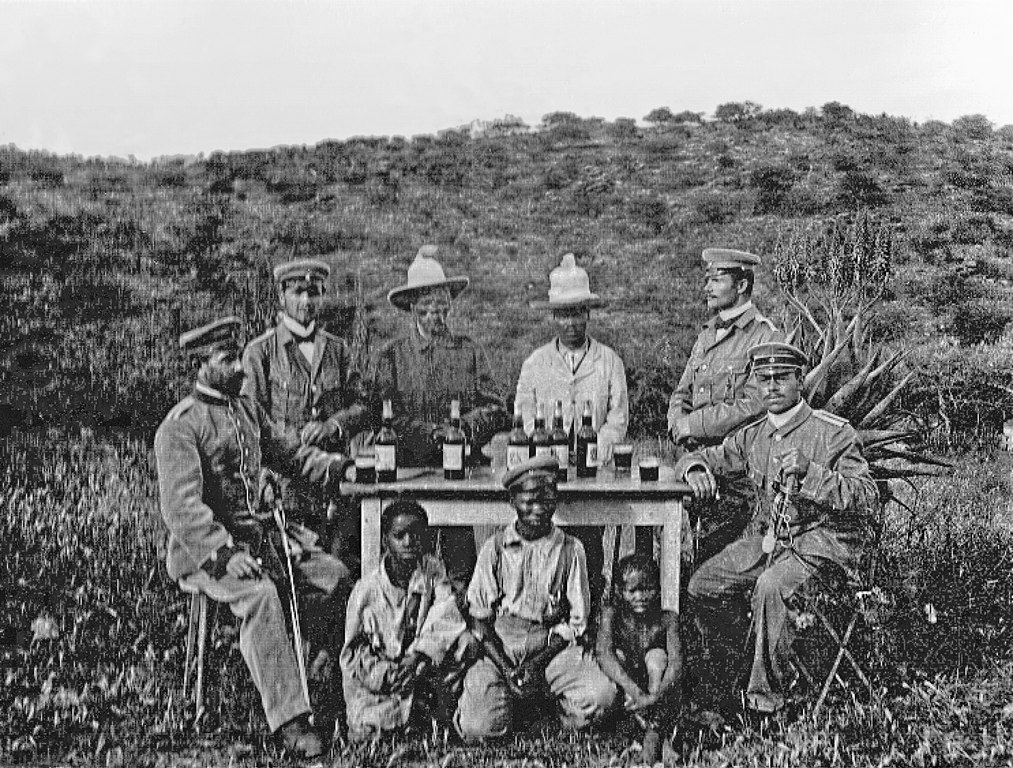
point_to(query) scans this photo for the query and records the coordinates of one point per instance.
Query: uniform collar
(210, 395)
(513, 539)
(742, 315)
(795, 418)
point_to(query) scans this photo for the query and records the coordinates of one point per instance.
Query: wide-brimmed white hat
(423, 274)
(569, 287)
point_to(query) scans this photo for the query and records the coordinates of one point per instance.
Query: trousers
(263, 637)
(741, 569)
(575, 682)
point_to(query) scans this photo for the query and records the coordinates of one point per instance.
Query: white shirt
(301, 332)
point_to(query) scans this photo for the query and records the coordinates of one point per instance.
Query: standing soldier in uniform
(715, 395)
(421, 372)
(301, 375)
(824, 523)
(210, 451)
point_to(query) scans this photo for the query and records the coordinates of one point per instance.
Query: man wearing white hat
(574, 368)
(716, 394)
(422, 371)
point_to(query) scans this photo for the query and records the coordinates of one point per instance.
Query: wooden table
(481, 500)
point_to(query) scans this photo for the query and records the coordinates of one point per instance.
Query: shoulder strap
(557, 588)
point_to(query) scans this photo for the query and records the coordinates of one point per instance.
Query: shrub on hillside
(773, 184)
(860, 190)
(716, 206)
(980, 321)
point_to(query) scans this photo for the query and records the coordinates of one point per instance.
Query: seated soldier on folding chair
(808, 531)
(209, 451)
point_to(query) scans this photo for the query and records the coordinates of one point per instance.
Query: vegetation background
(105, 261)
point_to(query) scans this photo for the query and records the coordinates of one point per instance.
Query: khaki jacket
(837, 493)
(716, 394)
(292, 392)
(209, 452)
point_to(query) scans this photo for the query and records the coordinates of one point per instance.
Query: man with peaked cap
(211, 452)
(299, 373)
(815, 499)
(302, 376)
(421, 372)
(574, 367)
(716, 395)
(529, 605)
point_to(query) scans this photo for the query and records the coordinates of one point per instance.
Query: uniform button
(777, 439)
(703, 367)
(313, 388)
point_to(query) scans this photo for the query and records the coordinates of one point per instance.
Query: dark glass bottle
(518, 448)
(385, 447)
(560, 442)
(541, 444)
(587, 445)
(453, 445)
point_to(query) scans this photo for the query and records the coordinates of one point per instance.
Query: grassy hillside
(102, 263)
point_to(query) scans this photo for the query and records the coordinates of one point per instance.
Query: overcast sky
(150, 77)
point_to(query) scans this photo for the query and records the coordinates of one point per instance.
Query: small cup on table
(365, 468)
(648, 467)
(622, 457)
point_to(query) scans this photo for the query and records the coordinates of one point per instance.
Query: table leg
(370, 519)
(671, 556)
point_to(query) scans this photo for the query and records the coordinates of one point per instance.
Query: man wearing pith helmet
(575, 367)
(716, 395)
(814, 502)
(211, 451)
(529, 606)
(425, 368)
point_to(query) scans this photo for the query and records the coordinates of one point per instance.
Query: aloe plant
(833, 275)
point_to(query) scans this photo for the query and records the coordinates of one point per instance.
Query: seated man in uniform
(209, 452)
(825, 523)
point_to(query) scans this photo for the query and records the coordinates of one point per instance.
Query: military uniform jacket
(421, 377)
(716, 390)
(294, 393)
(837, 493)
(209, 451)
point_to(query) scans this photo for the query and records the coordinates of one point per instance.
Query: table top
(485, 482)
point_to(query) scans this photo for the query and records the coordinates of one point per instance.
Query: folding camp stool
(850, 602)
(196, 647)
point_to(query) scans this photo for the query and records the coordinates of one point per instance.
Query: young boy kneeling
(403, 631)
(529, 603)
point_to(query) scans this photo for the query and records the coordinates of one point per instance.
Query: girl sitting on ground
(638, 648)
(403, 630)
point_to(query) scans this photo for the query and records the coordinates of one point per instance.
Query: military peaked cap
(310, 270)
(226, 330)
(537, 467)
(727, 258)
(777, 354)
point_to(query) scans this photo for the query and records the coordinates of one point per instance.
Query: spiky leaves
(833, 275)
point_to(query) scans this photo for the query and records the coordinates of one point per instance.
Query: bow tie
(309, 337)
(724, 325)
